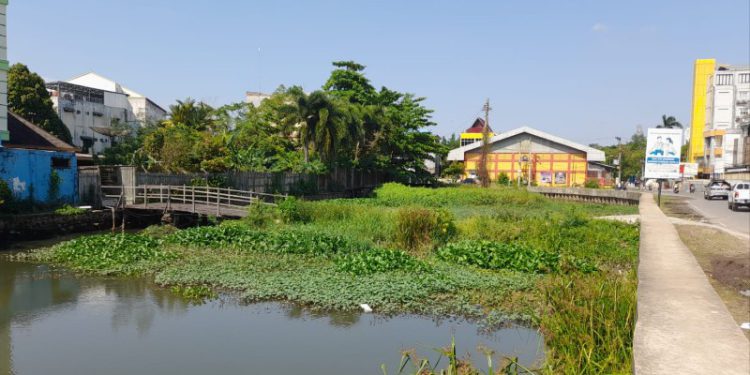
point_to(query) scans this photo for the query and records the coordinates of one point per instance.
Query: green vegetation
(497, 254)
(28, 97)
(345, 124)
(68, 210)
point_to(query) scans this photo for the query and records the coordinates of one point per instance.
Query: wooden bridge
(203, 200)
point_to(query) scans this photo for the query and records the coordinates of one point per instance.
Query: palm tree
(195, 115)
(669, 122)
(320, 119)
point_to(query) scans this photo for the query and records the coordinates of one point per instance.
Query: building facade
(530, 156)
(4, 66)
(702, 72)
(727, 116)
(255, 98)
(474, 133)
(92, 107)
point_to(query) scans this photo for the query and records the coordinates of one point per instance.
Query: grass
(68, 210)
(495, 255)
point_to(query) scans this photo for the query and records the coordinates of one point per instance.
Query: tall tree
(29, 98)
(669, 122)
(194, 115)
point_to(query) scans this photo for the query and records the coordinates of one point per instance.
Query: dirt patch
(732, 272)
(726, 261)
(678, 207)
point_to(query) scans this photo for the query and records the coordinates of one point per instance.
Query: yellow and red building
(525, 154)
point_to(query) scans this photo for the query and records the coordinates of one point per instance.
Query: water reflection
(51, 322)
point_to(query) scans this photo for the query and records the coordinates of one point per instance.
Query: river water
(55, 323)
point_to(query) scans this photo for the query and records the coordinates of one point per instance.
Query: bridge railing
(185, 198)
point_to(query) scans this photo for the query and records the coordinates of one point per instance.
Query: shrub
(393, 194)
(261, 214)
(503, 179)
(419, 227)
(496, 255)
(378, 260)
(591, 184)
(292, 210)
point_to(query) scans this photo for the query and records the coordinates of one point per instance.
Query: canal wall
(607, 196)
(49, 224)
(682, 325)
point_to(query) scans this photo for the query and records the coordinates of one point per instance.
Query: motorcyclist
(692, 188)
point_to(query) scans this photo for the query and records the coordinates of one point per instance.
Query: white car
(739, 196)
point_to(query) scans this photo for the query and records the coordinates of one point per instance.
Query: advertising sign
(546, 177)
(663, 153)
(689, 170)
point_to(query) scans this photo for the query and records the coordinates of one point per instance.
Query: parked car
(470, 181)
(739, 196)
(717, 188)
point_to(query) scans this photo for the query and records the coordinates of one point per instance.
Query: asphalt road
(716, 210)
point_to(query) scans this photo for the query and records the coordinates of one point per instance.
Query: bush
(379, 260)
(218, 237)
(503, 179)
(261, 214)
(419, 227)
(496, 255)
(591, 184)
(292, 210)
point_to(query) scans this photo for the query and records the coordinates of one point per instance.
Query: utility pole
(619, 161)
(484, 175)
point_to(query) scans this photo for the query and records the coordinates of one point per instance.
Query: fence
(342, 180)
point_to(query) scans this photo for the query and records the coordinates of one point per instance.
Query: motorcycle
(692, 188)
(676, 189)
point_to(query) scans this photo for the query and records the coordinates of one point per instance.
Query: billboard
(689, 170)
(663, 153)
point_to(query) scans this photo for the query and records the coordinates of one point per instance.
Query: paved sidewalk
(683, 326)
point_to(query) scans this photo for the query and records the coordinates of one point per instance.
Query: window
(743, 78)
(60, 163)
(723, 79)
(465, 142)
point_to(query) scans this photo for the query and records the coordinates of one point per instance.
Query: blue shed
(38, 166)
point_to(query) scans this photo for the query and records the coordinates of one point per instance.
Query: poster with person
(663, 153)
(560, 178)
(546, 177)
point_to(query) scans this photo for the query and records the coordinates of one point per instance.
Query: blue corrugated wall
(28, 172)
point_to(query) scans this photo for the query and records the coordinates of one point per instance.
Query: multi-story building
(90, 105)
(255, 98)
(3, 72)
(474, 133)
(727, 115)
(703, 70)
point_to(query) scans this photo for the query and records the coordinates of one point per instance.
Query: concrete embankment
(683, 326)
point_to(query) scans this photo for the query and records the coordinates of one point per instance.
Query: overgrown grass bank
(496, 255)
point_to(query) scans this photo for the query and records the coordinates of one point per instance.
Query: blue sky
(587, 70)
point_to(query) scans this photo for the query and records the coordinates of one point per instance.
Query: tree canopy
(28, 97)
(347, 123)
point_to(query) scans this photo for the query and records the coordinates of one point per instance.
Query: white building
(727, 117)
(255, 97)
(4, 65)
(89, 105)
(144, 110)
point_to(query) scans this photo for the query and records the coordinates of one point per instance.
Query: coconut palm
(669, 122)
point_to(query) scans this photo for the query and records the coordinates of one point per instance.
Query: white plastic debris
(745, 325)
(366, 308)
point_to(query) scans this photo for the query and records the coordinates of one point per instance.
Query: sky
(585, 70)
